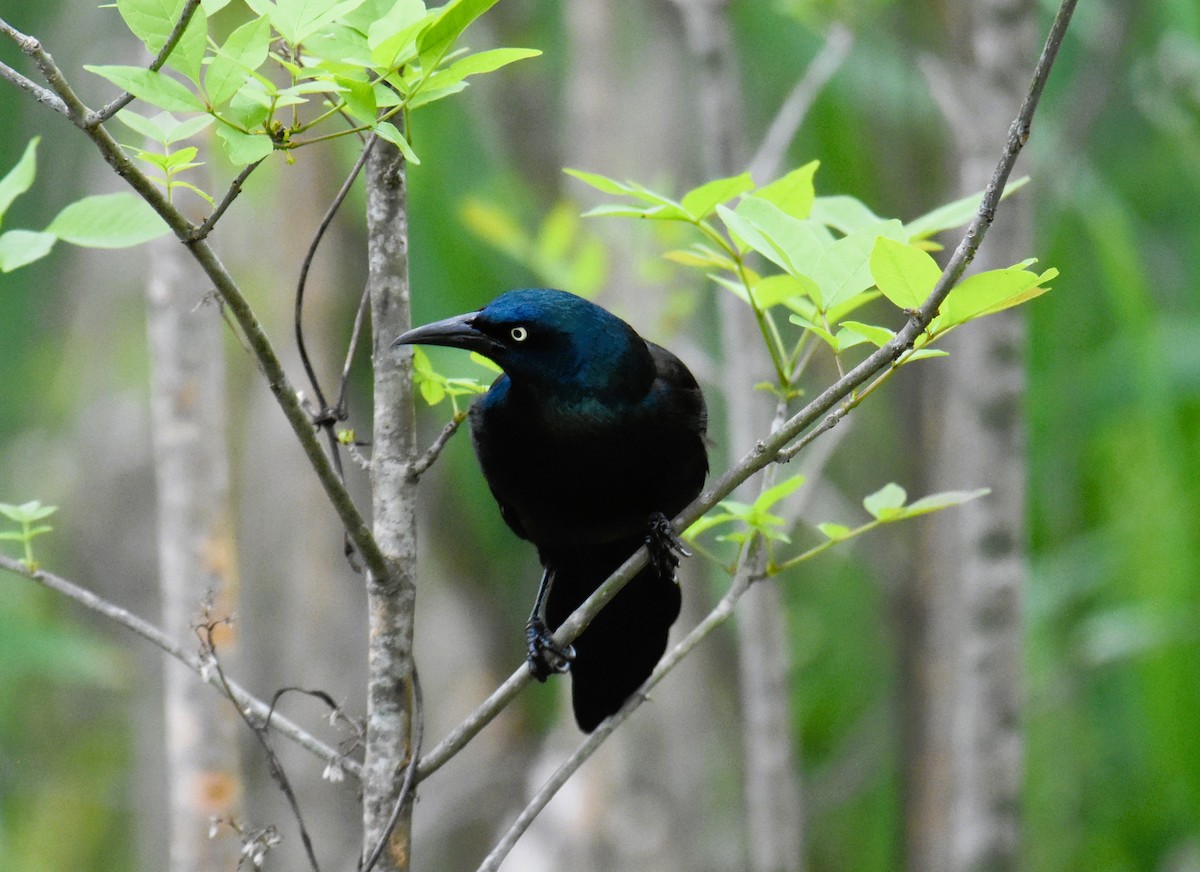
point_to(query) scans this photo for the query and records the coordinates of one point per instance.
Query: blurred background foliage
(1112, 764)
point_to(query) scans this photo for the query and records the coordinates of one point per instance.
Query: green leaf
(244, 51)
(155, 88)
(845, 267)
(244, 149)
(904, 273)
(877, 336)
(27, 513)
(147, 127)
(296, 20)
(108, 221)
(20, 178)
(944, 500)
(187, 128)
(602, 183)
(393, 38)
(425, 96)
(788, 242)
(776, 289)
(700, 202)
(834, 531)
(794, 193)
(486, 363)
(152, 22)
(777, 492)
(844, 214)
(885, 504)
(953, 214)
(21, 247)
(455, 17)
(988, 292)
(477, 63)
(392, 134)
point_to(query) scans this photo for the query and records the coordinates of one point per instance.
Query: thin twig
(767, 160)
(278, 775)
(161, 640)
(43, 95)
(768, 450)
(352, 519)
(359, 317)
(327, 416)
(185, 17)
(235, 188)
(426, 460)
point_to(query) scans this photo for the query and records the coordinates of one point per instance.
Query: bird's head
(549, 340)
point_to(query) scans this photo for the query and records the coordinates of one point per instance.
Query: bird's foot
(664, 545)
(545, 658)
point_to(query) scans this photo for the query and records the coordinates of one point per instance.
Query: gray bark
(964, 752)
(197, 555)
(391, 691)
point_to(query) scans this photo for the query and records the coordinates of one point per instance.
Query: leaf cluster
(27, 516)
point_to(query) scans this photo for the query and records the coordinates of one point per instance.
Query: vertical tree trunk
(770, 778)
(196, 555)
(964, 760)
(391, 603)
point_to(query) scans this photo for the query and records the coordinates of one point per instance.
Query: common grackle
(590, 441)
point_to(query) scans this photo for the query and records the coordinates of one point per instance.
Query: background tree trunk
(197, 555)
(964, 750)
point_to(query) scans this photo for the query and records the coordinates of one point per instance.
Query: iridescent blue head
(549, 341)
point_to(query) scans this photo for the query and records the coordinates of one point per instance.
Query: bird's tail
(621, 646)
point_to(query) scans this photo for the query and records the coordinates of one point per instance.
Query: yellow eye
(520, 334)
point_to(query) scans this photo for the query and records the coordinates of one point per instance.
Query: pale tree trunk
(197, 556)
(771, 777)
(963, 757)
(391, 688)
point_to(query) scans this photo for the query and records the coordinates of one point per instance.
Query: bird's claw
(664, 545)
(545, 658)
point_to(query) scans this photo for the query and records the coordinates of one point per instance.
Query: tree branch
(355, 524)
(161, 640)
(185, 17)
(769, 450)
(43, 95)
(235, 188)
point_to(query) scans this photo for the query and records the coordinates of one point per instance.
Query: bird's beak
(456, 332)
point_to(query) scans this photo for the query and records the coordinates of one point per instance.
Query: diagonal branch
(148, 631)
(185, 17)
(355, 524)
(820, 409)
(43, 95)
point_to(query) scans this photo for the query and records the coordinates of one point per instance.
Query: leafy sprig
(27, 516)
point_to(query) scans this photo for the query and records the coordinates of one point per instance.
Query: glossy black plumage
(591, 434)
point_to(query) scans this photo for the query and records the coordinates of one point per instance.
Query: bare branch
(189, 9)
(231, 294)
(235, 188)
(43, 95)
(155, 636)
(770, 449)
(426, 460)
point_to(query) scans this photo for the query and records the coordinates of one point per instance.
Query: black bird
(590, 441)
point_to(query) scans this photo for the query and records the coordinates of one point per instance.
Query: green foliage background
(1113, 655)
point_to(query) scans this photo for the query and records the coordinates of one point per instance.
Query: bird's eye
(520, 334)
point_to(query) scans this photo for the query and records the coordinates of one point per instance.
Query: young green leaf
(152, 21)
(244, 149)
(777, 492)
(886, 503)
(392, 134)
(154, 88)
(944, 500)
(296, 20)
(602, 183)
(991, 291)
(844, 268)
(953, 214)
(21, 247)
(904, 273)
(834, 531)
(116, 220)
(455, 17)
(243, 52)
(700, 202)
(877, 336)
(794, 193)
(20, 178)
(477, 63)
(844, 214)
